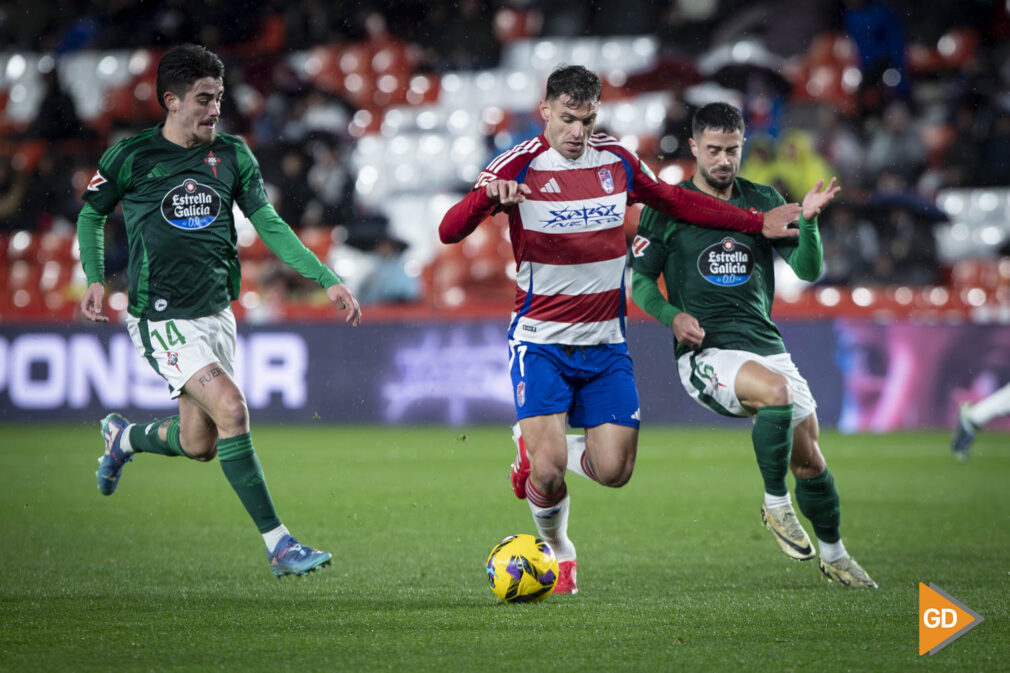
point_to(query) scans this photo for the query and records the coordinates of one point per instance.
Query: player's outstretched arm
(817, 198)
(345, 301)
(460, 220)
(695, 207)
(777, 221)
(91, 303)
(283, 242)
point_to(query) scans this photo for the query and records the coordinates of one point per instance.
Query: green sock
(145, 439)
(819, 502)
(773, 440)
(242, 468)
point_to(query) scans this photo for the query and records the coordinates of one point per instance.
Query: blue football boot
(964, 435)
(291, 558)
(110, 465)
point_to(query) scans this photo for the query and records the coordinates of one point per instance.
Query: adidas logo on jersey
(551, 187)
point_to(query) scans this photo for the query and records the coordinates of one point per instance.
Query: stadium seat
(422, 88)
(89, 75)
(23, 286)
(951, 52)
(23, 245)
(828, 73)
(320, 67)
(367, 119)
(59, 247)
(136, 102)
(983, 273)
(602, 55)
(516, 23)
(317, 239)
(642, 115)
(414, 219)
(476, 271)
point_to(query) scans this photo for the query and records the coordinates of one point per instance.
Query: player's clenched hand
(91, 303)
(687, 330)
(507, 192)
(777, 221)
(815, 200)
(345, 301)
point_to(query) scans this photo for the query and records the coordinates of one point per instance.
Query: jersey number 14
(175, 337)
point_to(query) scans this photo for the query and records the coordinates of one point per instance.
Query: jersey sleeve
(770, 197)
(91, 238)
(251, 194)
(804, 254)
(647, 254)
(460, 220)
(689, 205)
(647, 258)
(283, 242)
(112, 179)
(807, 254)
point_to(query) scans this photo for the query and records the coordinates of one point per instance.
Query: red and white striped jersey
(568, 235)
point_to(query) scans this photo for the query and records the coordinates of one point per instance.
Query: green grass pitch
(676, 572)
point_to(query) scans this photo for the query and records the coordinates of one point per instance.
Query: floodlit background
(389, 444)
(370, 119)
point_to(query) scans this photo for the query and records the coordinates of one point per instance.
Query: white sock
(773, 501)
(552, 526)
(272, 537)
(994, 406)
(124, 443)
(832, 551)
(576, 449)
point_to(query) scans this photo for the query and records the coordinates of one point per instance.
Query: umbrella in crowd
(736, 65)
(913, 204)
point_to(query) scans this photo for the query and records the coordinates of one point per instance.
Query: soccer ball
(522, 569)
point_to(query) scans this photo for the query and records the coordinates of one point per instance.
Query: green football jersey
(725, 279)
(178, 205)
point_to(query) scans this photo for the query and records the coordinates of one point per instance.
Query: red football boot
(566, 578)
(521, 466)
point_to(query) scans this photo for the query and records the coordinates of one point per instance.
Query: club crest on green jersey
(191, 205)
(727, 263)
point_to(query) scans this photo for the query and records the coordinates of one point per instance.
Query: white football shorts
(709, 377)
(179, 348)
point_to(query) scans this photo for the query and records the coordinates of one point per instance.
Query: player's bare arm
(688, 330)
(345, 301)
(91, 303)
(817, 198)
(777, 221)
(506, 192)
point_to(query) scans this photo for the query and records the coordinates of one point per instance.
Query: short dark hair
(581, 85)
(183, 65)
(718, 116)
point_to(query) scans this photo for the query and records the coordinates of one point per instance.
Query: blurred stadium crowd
(370, 118)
